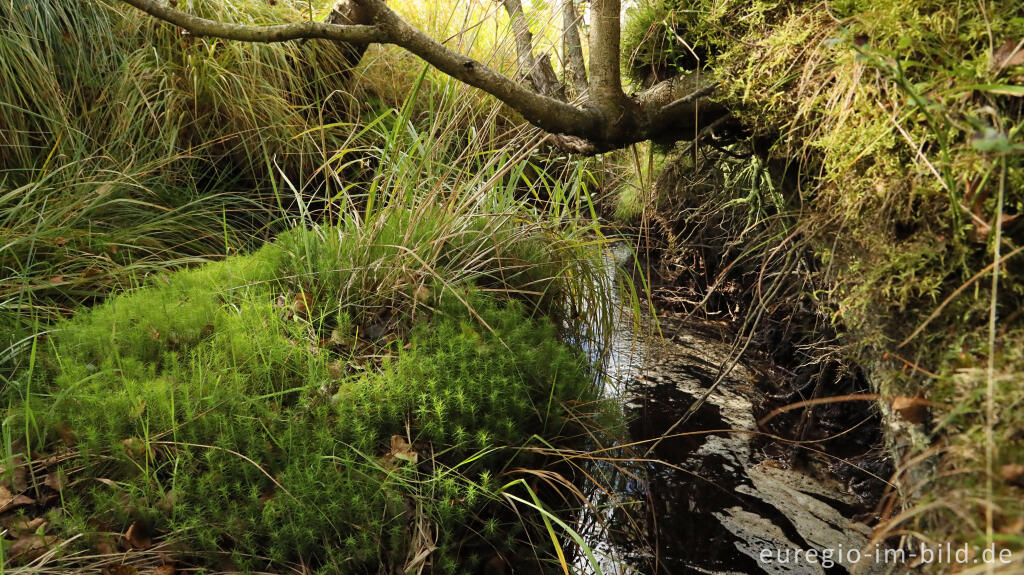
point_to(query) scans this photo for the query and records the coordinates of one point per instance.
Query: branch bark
(669, 111)
(349, 13)
(537, 69)
(351, 34)
(572, 48)
(605, 77)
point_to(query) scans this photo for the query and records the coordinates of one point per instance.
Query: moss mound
(241, 410)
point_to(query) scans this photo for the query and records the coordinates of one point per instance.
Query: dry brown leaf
(421, 293)
(164, 570)
(136, 448)
(19, 476)
(1010, 54)
(1014, 527)
(92, 271)
(105, 547)
(302, 303)
(9, 501)
(1013, 473)
(138, 536)
(19, 525)
(29, 547)
(60, 241)
(55, 480)
(400, 449)
(911, 409)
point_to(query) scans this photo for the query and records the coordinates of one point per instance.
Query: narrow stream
(706, 498)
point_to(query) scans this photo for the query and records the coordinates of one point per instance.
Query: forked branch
(609, 118)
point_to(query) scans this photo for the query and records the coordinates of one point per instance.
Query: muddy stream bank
(700, 487)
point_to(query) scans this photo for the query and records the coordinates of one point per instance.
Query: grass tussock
(285, 407)
(282, 407)
(353, 396)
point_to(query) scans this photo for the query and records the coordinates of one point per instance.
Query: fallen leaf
(135, 447)
(9, 501)
(29, 547)
(302, 303)
(106, 547)
(421, 293)
(19, 477)
(55, 480)
(1013, 473)
(400, 449)
(60, 241)
(138, 536)
(1010, 54)
(91, 271)
(1012, 527)
(911, 409)
(19, 525)
(164, 570)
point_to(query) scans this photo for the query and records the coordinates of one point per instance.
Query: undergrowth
(889, 139)
(357, 395)
(241, 410)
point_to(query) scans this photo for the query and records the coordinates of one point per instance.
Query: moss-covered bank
(882, 175)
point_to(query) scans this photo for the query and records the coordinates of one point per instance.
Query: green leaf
(1001, 89)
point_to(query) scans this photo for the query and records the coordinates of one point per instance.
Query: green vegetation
(886, 179)
(215, 407)
(273, 313)
(357, 394)
(105, 179)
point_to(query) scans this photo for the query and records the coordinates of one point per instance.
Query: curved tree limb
(352, 34)
(610, 119)
(542, 111)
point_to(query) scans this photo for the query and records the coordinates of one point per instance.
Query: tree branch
(349, 13)
(605, 78)
(670, 111)
(354, 34)
(572, 48)
(542, 111)
(538, 70)
(388, 28)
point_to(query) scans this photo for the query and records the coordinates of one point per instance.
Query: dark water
(714, 496)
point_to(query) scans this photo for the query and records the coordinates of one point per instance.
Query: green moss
(223, 419)
(889, 128)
